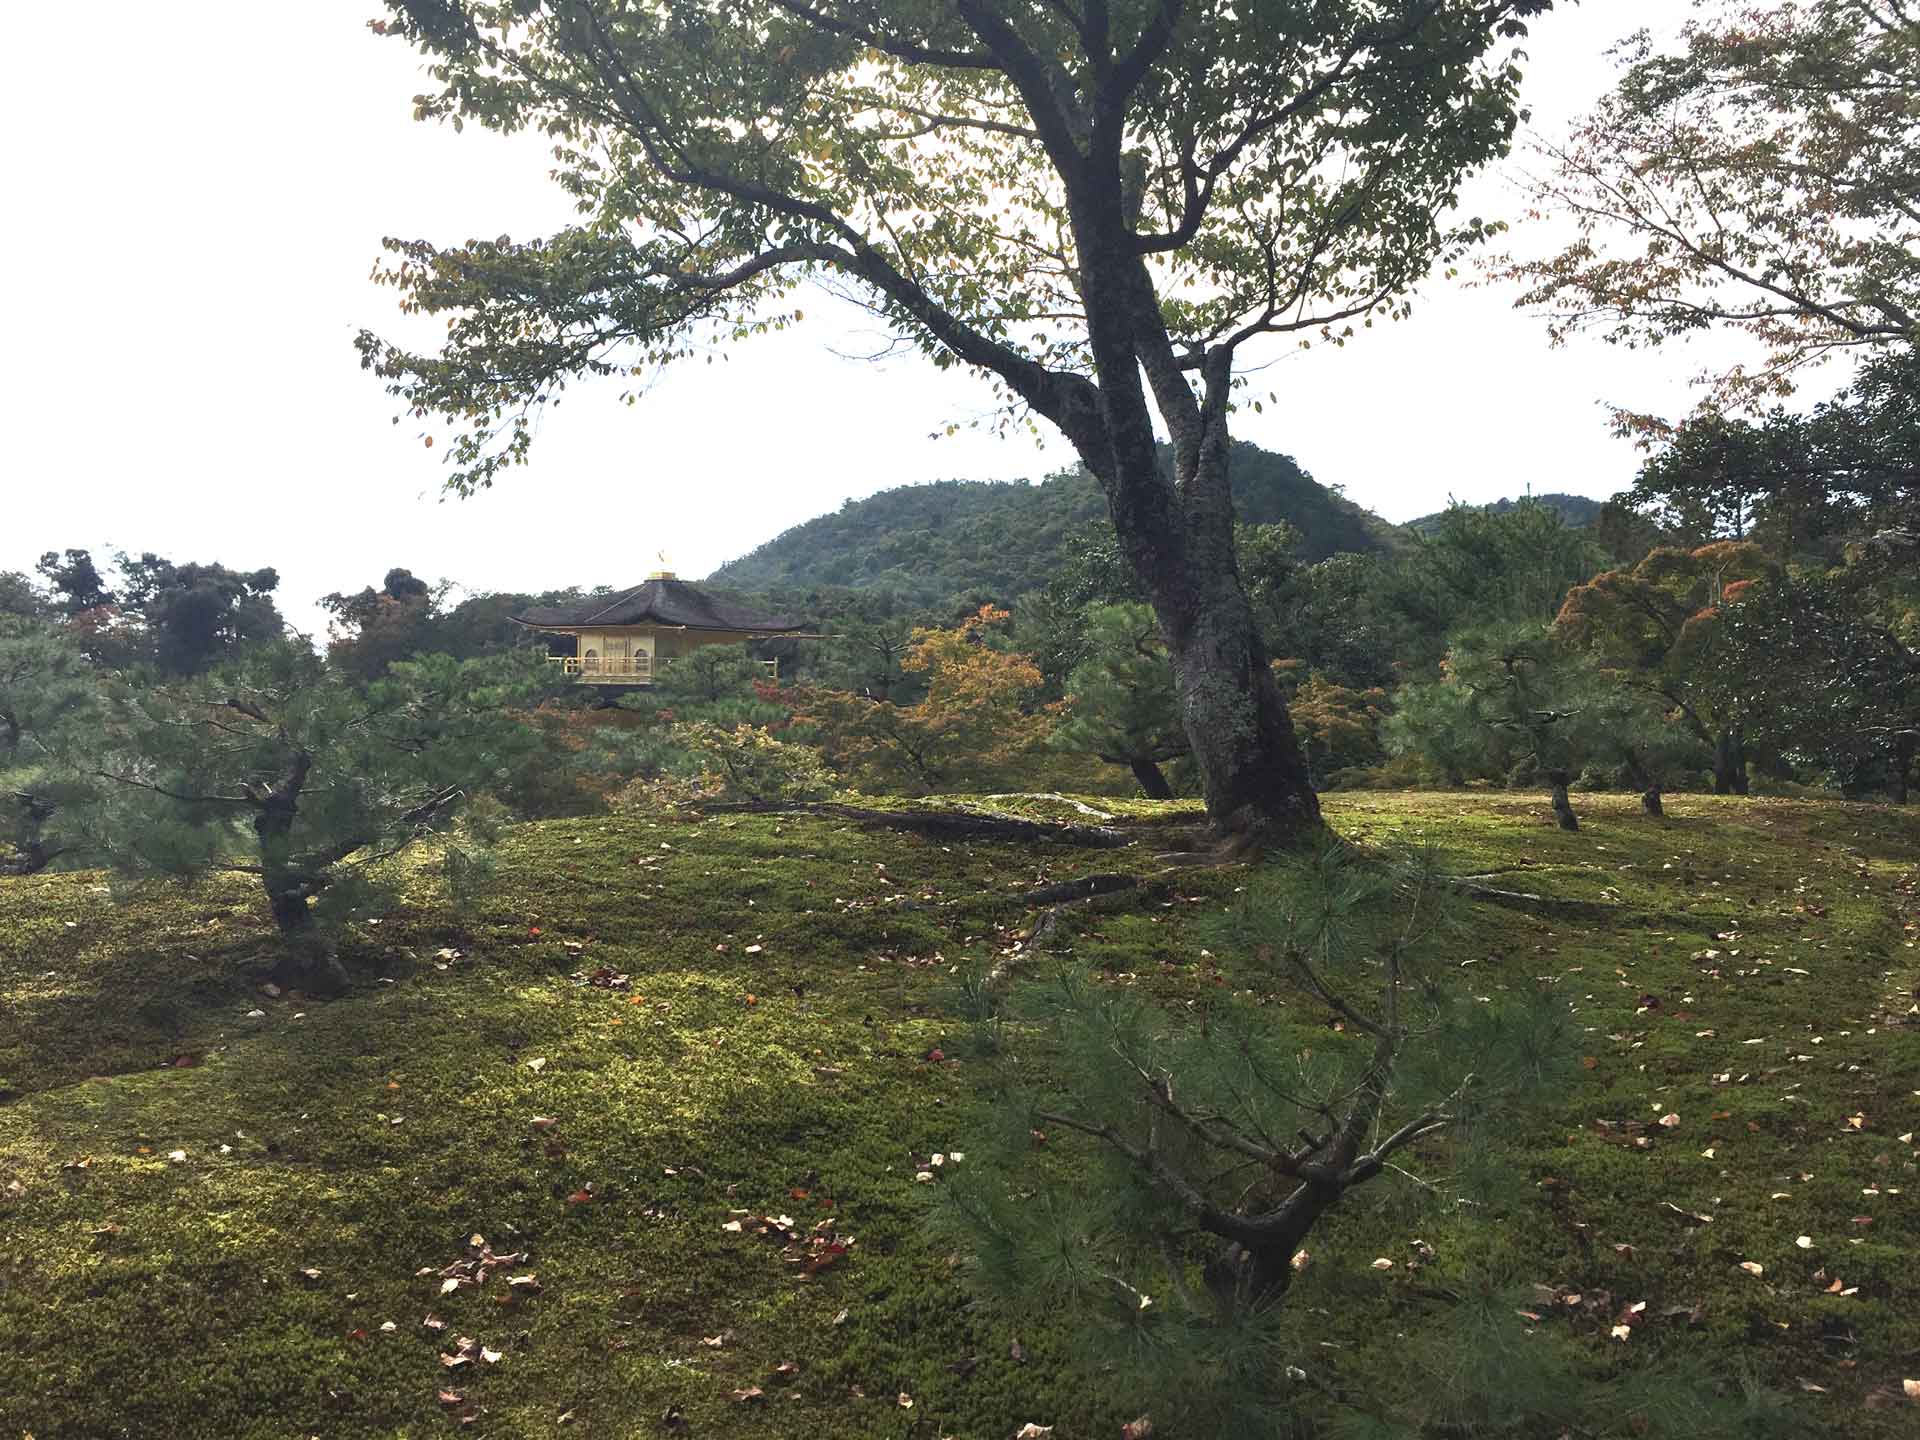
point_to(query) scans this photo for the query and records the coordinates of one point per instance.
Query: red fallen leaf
(935, 1056)
(1137, 1429)
(580, 1197)
(1589, 1062)
(798, 1194)
(357, 1333)
(534, 931)
(184, 1062)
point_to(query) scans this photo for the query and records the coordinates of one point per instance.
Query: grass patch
(1755, 981)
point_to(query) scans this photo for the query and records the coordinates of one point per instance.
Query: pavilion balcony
(627, 670)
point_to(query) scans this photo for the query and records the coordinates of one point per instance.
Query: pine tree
(49, 698)
(1163, 1182)
(1121, 704)
(280, 768)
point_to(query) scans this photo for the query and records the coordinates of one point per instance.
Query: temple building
(629, 639)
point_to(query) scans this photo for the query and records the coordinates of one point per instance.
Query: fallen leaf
(1688, 1215)
(905, 1401)
(1669, 1121)
(1623, 1332)
(1752, 1269)
(748, 1395)
(1805, 1242)
(1137, 1429)
(1383, 1263)
(1031, 1431)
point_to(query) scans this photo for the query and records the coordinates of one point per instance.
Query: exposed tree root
(1085, 888)
(1521, 900)
(943, 824)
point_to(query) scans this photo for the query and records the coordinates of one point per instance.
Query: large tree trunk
(1903, 751)
(1177, 531)
(1152, 782)
(1252, 769)
(1730, 763)
(1650, 800)
(1562, 806)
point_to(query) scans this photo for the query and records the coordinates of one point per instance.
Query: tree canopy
(1763, 176)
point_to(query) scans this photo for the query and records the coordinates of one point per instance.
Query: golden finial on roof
(665, 572)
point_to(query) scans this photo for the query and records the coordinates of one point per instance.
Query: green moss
(146, 1295)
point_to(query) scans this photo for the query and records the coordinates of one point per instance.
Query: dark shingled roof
(661, 602)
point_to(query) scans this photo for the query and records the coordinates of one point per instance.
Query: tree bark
(1730, 763)
(1562, 806)
(1650, 800)
(1152, 782)
(1177, 530)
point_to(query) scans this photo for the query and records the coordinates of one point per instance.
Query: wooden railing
(627, 670)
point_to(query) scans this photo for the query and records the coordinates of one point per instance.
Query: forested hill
(931, 542)
(1577, 510)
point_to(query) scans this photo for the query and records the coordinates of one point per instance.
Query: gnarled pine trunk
(1562, 806)
(1152, 782)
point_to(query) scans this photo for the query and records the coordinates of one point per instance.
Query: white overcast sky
(194, 196)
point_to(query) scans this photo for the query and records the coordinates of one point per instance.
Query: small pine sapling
(1164, 1182)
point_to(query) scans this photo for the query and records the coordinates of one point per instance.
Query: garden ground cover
(687, 1073)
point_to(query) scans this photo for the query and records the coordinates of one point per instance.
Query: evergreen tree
(197, 615)
(49, 702)
(75, 580)
(1204, 1149)
(1121, 705)
(277, 767)
(1509, 702)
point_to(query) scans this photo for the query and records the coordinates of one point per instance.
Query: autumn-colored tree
(980, 715)
(1339, 726)
(1649, 629)
(1098, 207)
(1763, 176)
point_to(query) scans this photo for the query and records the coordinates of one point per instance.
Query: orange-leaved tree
(979, 718)
(1650, 626)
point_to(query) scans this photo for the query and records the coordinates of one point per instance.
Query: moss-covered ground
(230, 1213)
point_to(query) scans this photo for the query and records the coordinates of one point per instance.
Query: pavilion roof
(663, 600)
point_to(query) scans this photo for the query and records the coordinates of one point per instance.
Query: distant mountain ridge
(931, 542)
(1578, 511)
